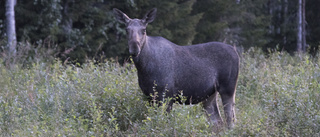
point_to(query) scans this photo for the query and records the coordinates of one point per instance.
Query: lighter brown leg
(228, 105)
(212, 110)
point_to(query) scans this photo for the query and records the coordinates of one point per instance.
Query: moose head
(136, 29)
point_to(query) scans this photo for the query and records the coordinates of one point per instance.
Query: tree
(216, 19)
(240, 23)
(11, 27)
(80, 29)
(86, 29)
(313, 26)
(301, 34)
(254, 22)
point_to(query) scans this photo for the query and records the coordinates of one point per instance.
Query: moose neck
(155, 53)
(145, 55)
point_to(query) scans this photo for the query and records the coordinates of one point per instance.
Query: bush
(277, 95)
(53, 100)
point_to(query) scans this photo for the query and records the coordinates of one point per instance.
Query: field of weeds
(277, 95)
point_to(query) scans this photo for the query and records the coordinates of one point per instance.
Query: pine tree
(313, 26)
(219, 22)
(79, 28)
(254, 23)
(87, 28)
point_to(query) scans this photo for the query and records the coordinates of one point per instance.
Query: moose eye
(143, 31)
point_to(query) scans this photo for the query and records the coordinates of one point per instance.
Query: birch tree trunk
(285, 20)
(67, 20)
(304, 41)
(11, 27)
(301, 35)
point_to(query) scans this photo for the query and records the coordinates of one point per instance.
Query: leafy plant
(277, 95)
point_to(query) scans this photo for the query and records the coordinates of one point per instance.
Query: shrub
(277, 95)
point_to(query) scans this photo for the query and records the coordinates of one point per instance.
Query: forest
(86, 29)
(65, 68)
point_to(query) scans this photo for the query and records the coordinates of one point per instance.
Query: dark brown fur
(199, 71)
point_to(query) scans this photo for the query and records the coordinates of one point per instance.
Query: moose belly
(195, 92)
(196, 83)
(192, 90)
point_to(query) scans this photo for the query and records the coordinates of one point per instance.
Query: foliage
(86, 29)
(313, 28)
(65, 24)
(55, 100)
(216, 23)
(277, 95)
(255, 22)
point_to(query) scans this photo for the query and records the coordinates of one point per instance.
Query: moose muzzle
(134, 48)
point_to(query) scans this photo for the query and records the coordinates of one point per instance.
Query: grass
(277, 95)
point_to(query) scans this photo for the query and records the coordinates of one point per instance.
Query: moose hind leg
(228, 102)
(212, 110)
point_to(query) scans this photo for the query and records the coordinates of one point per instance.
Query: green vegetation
(277, 95)
(87, 29)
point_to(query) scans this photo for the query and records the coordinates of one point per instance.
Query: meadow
(277, 95)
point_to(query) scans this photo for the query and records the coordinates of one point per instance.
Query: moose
(198, 71)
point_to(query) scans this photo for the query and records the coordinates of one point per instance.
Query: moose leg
(169, 106)
(228, 102)
(211, 107)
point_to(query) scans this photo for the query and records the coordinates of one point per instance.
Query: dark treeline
(86, 29)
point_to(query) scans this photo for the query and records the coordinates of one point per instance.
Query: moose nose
(134, 48)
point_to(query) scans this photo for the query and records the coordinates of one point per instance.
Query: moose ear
(120, 16)
(150, 16)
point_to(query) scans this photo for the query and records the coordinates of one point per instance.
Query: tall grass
(277, 95)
